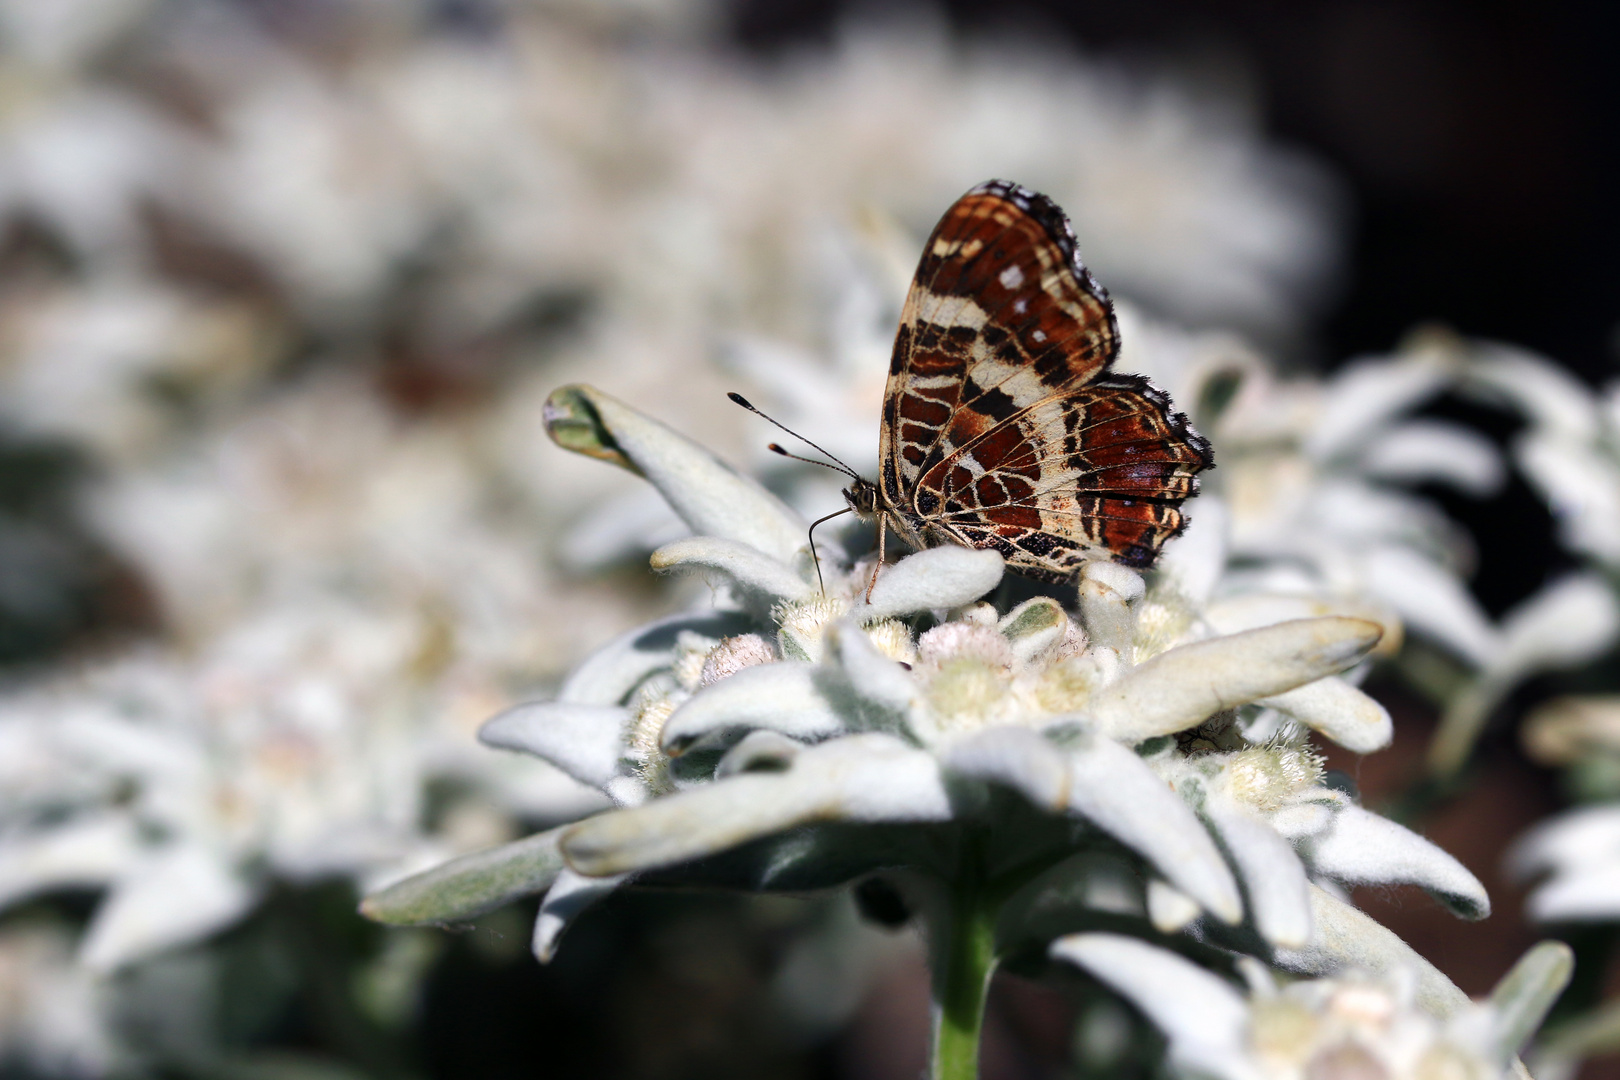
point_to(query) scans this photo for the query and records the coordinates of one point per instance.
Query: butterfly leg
(883, 521)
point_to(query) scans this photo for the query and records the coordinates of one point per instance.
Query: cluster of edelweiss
(347, 581)
(996, 769)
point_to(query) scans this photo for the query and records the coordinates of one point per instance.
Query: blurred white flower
(687, 186)
(82, 159)
(1356, 1025)
(50, 1023)
(1308, 475)
(1570, 452)
(300, 745)
(118, 365)
(1175, 199)
(1309, 468)
(68, 34)
(347, 593)
(321, 490)
(1575, 855)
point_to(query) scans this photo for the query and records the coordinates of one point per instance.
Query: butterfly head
(864, 497)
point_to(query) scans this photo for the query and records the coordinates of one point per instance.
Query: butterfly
(1004, 426)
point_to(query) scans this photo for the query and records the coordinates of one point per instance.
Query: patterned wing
(1001, 313)
(1099, 471)
(1002, 426)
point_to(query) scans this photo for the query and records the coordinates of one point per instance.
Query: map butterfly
(1003, 425)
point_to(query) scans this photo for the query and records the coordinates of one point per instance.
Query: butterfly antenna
(841, 467)
(815, 558)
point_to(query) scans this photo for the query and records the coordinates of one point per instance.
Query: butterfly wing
(1002, 426)
(1000, 313)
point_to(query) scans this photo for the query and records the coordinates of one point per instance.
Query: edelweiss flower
(1356, 1025)
(1010, 770)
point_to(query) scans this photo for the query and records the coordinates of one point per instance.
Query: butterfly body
(1003, 427)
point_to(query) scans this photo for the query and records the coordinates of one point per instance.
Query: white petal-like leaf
(783, 697)
(86, 853)
(872, 675)
(869, 777)
(1300, 820)
(1278, 890)
(1432, 601)
(759, 751)
(1169, 909)
(1553, 398)
(752, 569)
(467, 887)
(584, 741)
(1183, 687)
(612, 671)
(1581, 483)
(1017, 758)
(1568, 840)
(1578, 894)
(1523, 996)
(709, 495)
(1346, 939)
(1195, 562)
(1340, 712)
(1569, 622)
(1251, 610)
(1034, 626)
(177, 896)
(1366, 394)
(1204, 1018)
(1117, 791)
(942, 577)
(569, 895)
(1420, 450)
(1361, 847)
(1106, 592)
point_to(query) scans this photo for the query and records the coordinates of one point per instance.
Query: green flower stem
(964, 957)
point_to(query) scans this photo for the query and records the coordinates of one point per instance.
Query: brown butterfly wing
(1002, 426)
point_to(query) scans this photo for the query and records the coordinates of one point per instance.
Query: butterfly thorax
(868, 501)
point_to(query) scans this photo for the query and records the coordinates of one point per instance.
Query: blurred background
(284, 284)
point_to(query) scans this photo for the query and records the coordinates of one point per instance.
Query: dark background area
(1477, 138)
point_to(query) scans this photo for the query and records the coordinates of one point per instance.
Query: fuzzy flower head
(790, 738)
(1357, 1026)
